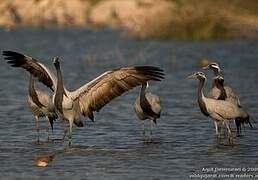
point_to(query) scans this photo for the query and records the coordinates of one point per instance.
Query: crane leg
(216, 128)
(143, 129)
(228, 128)
(64, 129)
(65, 132)
(151, 122)
(229, 133)
(216, 131)
(70, 132)
(37, 127)
(47, 128)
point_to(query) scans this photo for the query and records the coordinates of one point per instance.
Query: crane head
(214, 66)
(56, 61)
(198, 75)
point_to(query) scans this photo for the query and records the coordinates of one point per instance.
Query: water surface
(112, 147)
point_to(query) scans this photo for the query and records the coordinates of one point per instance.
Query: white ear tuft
(216, 66)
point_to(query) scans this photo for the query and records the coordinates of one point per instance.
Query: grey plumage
(36, 69)
(40, 104)
(147, 106)
(215, 91)
(91, 96)
(100, 91)
(230, 95)
(218, 110)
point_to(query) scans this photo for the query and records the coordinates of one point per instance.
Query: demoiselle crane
(147, 106)
(225, 93)
(218, 110)
(91, 96)
(40, 104)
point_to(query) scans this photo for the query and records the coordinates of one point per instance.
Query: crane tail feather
(240, 121)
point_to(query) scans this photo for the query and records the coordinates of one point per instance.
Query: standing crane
(225, 93)
(147, 106)
(40, 104)
(218, 110)
(91, 96)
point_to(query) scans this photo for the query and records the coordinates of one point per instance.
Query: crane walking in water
(147, 106)
(218, 110)
(225, 93)
(40, 104)
(91, 96)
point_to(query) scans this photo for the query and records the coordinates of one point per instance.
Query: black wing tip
(6, 52)
(149, 68)
(11, 56)
(10, 53)
(152, 72)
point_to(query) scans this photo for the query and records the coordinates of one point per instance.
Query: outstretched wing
(111, 84)
(31, 65)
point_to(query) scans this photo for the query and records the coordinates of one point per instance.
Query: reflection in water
(222, 147)
(151, 141)
(82, 150)
(43, 161)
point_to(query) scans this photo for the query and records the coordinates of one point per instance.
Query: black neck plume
(200, 98)
(219, 83)
(216, 73)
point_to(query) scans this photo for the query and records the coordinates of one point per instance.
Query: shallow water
(112, 148)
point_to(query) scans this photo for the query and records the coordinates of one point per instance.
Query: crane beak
(206, 67)
(155, 121)
(191, 76)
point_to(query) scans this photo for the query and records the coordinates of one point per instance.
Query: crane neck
(144, 103)
(33, 94)
(220, 85)
(201, 98)
(142, 94)
(216, 73)
(60, 91)
(143, 100)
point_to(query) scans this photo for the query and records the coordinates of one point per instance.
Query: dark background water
(112, 147)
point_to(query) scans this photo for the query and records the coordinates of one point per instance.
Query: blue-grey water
(182, 144)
